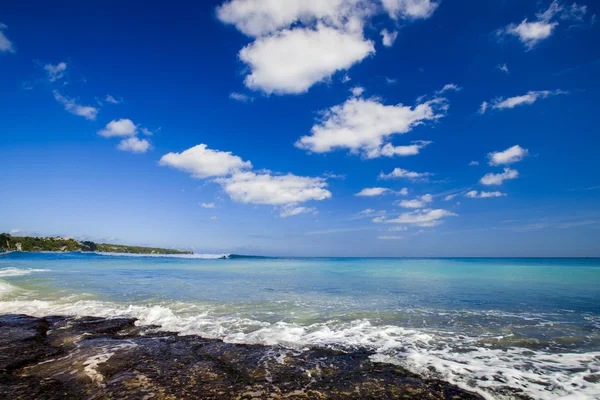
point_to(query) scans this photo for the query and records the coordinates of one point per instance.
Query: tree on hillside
(5, 240)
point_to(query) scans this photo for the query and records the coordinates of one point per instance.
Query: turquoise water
(502, 327)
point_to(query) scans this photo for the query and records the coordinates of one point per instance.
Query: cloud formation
(498, 179)
(399, 173)
(509, 156)
(409, 9)
(423, 218)
(134, 145)
(87, 112)
(372, 192)
(474, 194)
(363, 126)
(6, 46)
(526, 99)
(55, 72)
(420, 202)
(202, 162)
(119, 128)
(293, 60)
(388, 38)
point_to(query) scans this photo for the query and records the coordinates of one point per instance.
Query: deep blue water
(534, 321)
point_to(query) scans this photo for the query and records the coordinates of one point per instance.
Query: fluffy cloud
(388, 38)
(367, 211)
(410, 9)
(276, 190)
(119, 128)
(474, 194)
(261, 17)
(398, 173)
(420, 202)
(207, 205)
(202, 162)
(371, 192)
(508, 156)
(473, 163)
(6, 46)
(526, 99)
(134, 145)
(451, 197)
(403, 192)
(293, 60)
(531, 33)
(364, 125)
(55, 72)
(71, 106)
(424, 218)
(357, 91)
(498, 179)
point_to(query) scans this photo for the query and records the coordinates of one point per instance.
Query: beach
(313, 327)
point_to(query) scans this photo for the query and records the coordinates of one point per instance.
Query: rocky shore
(97, 358)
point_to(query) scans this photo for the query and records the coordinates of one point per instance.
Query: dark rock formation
(97, 358)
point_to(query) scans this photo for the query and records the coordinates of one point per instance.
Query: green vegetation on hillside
(57, 244)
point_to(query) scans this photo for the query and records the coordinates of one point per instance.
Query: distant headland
(59, 244)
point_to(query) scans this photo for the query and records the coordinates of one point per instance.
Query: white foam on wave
(186, 256)
(6, 272)
(459, 360)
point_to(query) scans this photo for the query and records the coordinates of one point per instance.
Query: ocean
(501, 327)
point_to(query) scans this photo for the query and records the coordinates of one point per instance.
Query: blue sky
(325, 128)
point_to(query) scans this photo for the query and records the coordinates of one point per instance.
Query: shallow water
(497, 326)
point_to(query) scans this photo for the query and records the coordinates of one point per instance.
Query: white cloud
(473, 163)
(403, 192)
(147, 131)
(526, 99)
(134, 145)
(5, 44)
(367, 211)
(240, 97)
(15, 231)
(364, 125)
(293, 60)
(450, 87)
(498, 179)
(388, 38)
(391, 81)
(71, 106)
(207, 205)
(55, 72)
(346, 79)
(398, 229)
(119, 128)
(261, 17)
(410, 9)
(420, 202)
(483, 108)
(451, 196)
(531, 33)
(424, 218)
(357, 91)
(508, 156)
(276, 190)
(202, 162)
(112, 100)
(474, 194)
(290, 211)
(371, 192)
(390, 237)
(403, 173)
(503, 68)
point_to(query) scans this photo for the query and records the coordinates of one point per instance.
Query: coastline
(57, 357)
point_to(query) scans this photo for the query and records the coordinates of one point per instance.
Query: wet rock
(97, 358)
